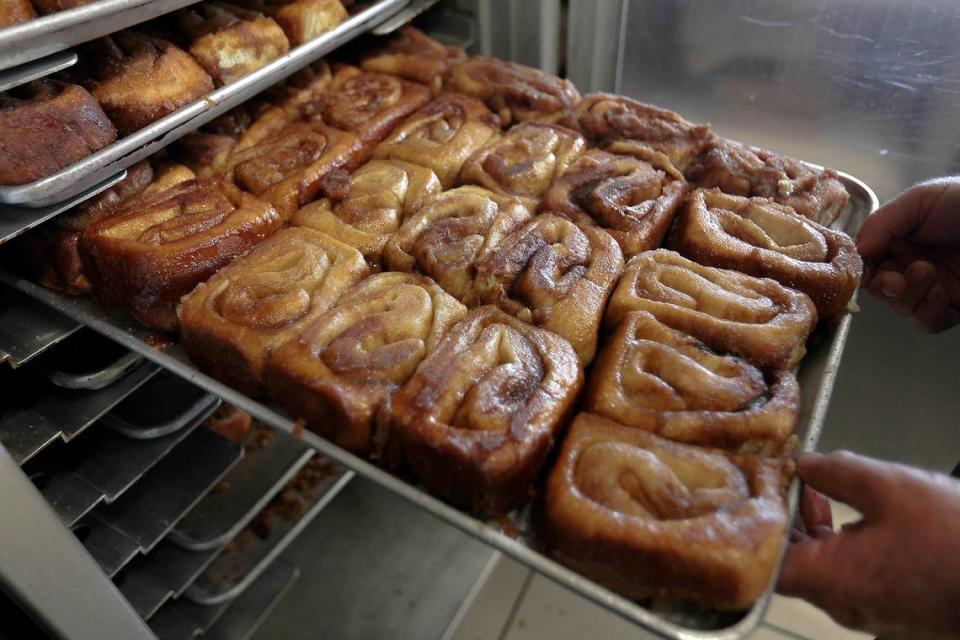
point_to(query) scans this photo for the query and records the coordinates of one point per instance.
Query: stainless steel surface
(131, 149)
(98, 378)
(42, 36)
(44, 568)
(163, 407)
(109, 548)
(10, 78)
(173, 566)
(597, 34)
(402, 17)
(519, 31)
(28, 328)
(220, 516)
(816, 374)
(241, 562)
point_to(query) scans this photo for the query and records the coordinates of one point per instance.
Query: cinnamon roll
(229, 42)
(655, 378)
(447, 237)
(230, 323)
(737, 169)
(633, 200)
(605, 118)
(476, 421)
(47, 125)
(15, 11)
(301, 20)
(369, 104)
(205, 151)
(651, 518)
(301, 87)
(414, 56)
(515, 92)
(159, 247)
(762, 238)
(755, 318)
(139, 79)
(524, 161)
(46, 7)
(347, 362)
(553, 274)
(441, 135)
(365, 208)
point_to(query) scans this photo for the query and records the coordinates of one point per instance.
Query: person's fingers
(919, 275)
(808, 570)
(887, 286)
(815, 513)
(855, 480)
(896, 219)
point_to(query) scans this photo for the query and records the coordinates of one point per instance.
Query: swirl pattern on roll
(633, 200)
(229, 324)
(347, 362)
(755, 318)
(478, 418)
(652, 377)
(415, 56)
(524, 161)
(765, 239)
(441, 135)
(515, 92)
(651, 518)
(448, 236)
(161, 245)
(553, 274)
(365, 208)
(737, 169)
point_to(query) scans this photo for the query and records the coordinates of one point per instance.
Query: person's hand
(896, 572)
(911, 246)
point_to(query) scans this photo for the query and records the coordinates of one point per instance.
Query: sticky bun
(45, 7)
(301, 20)
(414, 56)
(15, 11)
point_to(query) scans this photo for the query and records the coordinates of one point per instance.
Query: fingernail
(887, 293)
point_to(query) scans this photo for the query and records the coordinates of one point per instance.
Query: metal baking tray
(10, 78)
(163, 407)
(816, 374)
(34, 39)
(28, 328)
(100, 166)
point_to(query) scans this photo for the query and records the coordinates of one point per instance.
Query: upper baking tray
(816, 374)
(40, 37)
(112, 159)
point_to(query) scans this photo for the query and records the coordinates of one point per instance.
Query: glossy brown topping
(15, 12)
(52, 6)
(415, 56)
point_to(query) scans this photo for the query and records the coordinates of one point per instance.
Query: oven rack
(28, 328)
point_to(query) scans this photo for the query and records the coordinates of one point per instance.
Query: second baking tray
(816, 374)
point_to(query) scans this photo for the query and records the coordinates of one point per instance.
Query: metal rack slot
(86, 361)
(110, 549)
(163, 407)
(28, 328)
(10, 78)
(174, 567)
(144, 594)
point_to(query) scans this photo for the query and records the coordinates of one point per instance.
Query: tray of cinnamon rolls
(581, 328)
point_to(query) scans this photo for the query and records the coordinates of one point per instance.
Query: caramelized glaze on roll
(230, 323)
(524, 161)
(446, 237)
(605, 118)
(441, 135)
(46, 126)
(368, 104)
(365, 208)
(348, 361)
(205, 151)
(15, 11)
(416, 57)
(139, 79)
(301, 87)
(755, 318)
(476, 421)
(651, 518)
(762, 238)
(515, 92)
(655, 378)
(553, 274)
(301, 20)
(160, 247)
(633, 200)
(740, 170)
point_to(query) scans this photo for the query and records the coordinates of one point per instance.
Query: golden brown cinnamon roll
(748, 171)
(52, 6)
(159, 247)
(348, 361)
(633, 200)
(765, 239)
(416, 57)
(230, 323)
(755, 318)
(206, 150)
(15, 11)
(441, 135)
(554, 274)
(303, 86)
(651, 518)
(447, 237)
(229, 42)
(368, 104)
(476, 421)
(139, 79)
(47, 125)
(524, 161)
(515, 92)
(655, 378)
(365, 208)
(605, 118)
(301, 20)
